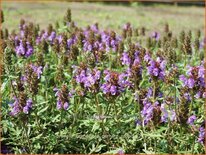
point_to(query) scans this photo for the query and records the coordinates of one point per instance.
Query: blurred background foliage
(110, 15)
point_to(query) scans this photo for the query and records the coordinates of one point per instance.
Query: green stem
(107, 110)
(60, 125)
(191, 105)
(175, 95)
(12, 87)
(99, 109)
(75, 109)
(97, 105)
(36, 116)
(27, 137)
(139, 110)
(193, 146)
(154, 90)
(185, 60)
(115, 109)
(83, 106)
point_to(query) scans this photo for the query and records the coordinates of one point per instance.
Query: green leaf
(42, 110)
(95, 126)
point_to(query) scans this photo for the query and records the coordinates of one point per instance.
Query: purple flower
(127, 26)
(201, 137)
(88, 81)
(94, 28)
(173, 116)
(156, 69)
(183, 79)
(187, 96)
(191, 119)
(164, 116)
(194, 81)
(149, 92)
(52, 36)
(44, 36)
(88, 78)
(147, 57)
(16, 108)
(28, 106)
(125, 59)
(66, 106)
(26, 109)
(121, 152)
(202, 44)
(29, 51)
(20, 50)
(204, 95)
(70, 42)
(201, 71)
(87, 46)
(60, 38)
(24, 49)
(163, 64)
(155, 35)
(113, 90)
(59, 105)
(190, 82)
(107, 77)
(37, 70)
(63, 102)
(29, 103)
(138, 123)
(167, 114)
(97, 74)
(5, 149)
(147, 111)
(115, 83)
(198, 95)
(105, 88)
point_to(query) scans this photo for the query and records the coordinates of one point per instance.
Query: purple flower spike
(156, 69)
(194, 82)
(63, 96)
(16, 108)
(115, 83)
(24, 49)
(89, 78)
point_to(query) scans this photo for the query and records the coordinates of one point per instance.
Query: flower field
(71, 89)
